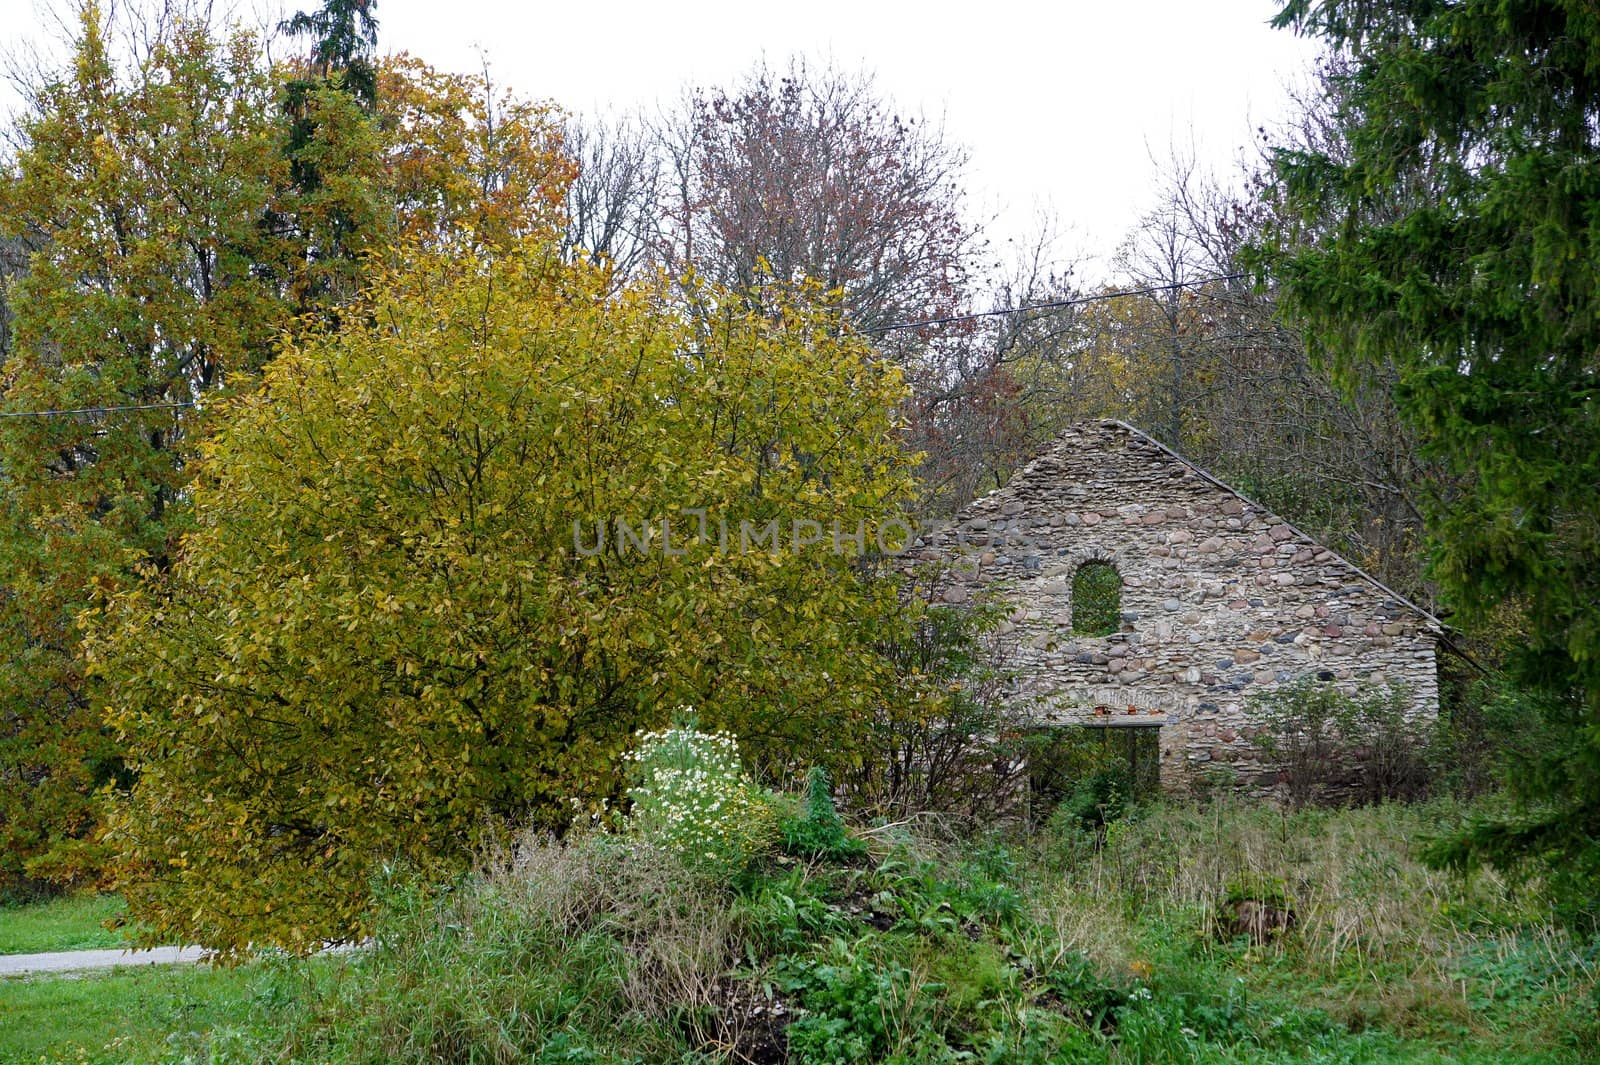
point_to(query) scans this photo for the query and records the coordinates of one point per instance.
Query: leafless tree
(1230, 385)
(1165, 253)
(810, 174)
(611, 205)
(999, 389)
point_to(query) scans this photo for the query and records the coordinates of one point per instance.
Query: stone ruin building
(1219, 600)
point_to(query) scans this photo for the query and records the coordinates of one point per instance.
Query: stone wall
(1221, 600)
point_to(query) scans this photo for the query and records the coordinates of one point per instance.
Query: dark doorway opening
(1092, 766)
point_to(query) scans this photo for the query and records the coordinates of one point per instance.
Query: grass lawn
(72, 922)
(116, 1016)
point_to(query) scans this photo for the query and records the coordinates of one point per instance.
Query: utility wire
(90, 410)
(999, 312)
(1052, 304)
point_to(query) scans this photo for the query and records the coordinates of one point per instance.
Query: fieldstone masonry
(1221, 600)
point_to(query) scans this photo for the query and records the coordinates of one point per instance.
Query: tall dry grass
(588, 946)
(1388, 939)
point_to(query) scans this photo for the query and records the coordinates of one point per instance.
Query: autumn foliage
(395, 623)
(143, 196)
(171, 245)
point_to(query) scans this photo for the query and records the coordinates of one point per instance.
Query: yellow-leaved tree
(454, 552)
(164, 197)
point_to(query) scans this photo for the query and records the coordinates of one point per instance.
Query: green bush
(1330, 744)
(820, 832)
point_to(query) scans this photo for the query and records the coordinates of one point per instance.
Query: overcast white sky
(1062, 105)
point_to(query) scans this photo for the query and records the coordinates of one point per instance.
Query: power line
(1053, 304)
(91, 410)
(999, 312)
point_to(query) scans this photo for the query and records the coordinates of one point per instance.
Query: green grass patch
(149, 1014)
(71, 922)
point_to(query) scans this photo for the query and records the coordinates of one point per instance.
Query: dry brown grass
(672, 931)
(1383, 934)
(1353, 877)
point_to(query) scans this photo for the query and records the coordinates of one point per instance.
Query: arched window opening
(1096, 599)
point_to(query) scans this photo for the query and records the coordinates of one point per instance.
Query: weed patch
(1084, 947)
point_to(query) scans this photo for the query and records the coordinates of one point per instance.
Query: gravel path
(73, 960)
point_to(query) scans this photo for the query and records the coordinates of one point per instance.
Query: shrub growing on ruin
(1333, 745)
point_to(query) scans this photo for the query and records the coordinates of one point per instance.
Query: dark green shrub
(1098, 799)
(1087, 773)
(1486, 727)
(820, 833)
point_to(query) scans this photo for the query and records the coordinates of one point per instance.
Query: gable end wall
(1221, 600)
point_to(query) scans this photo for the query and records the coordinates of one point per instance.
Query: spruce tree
(343, 33)
(336, 89)
(1454, 227)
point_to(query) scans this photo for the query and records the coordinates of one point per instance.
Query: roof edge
(1213, 479)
